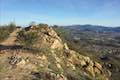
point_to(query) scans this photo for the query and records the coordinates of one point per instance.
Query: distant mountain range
(96, 28)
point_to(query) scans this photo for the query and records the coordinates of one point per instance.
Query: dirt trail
(11, 39)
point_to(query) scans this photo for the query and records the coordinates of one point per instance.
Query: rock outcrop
(47, 38)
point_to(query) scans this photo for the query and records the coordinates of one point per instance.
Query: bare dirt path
(11, 39)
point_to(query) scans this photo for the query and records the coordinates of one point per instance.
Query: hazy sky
(61, 12)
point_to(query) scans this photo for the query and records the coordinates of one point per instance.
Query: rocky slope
(53, 61)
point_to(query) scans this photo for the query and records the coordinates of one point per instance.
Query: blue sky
(61, 12)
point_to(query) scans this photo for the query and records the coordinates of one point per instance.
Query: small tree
(27, 39)
(42, 25)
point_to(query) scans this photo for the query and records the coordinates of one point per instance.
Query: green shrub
(6, 30)
(27, 39)
(3, 34)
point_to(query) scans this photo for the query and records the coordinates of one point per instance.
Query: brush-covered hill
(38, 53)
(100, 43)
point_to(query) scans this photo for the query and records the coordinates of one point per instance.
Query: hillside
(38, 53)
(100, 43)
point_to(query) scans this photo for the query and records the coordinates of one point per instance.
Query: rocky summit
(48, 58)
